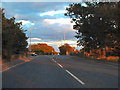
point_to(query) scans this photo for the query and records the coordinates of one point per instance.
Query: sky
(48, 19)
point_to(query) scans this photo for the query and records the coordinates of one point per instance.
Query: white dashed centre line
(70, 73)
(59, 65)
(75, 77)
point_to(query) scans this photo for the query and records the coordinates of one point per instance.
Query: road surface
(61, 72)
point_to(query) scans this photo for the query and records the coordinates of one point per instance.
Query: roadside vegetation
(97, 30)
(13, 38)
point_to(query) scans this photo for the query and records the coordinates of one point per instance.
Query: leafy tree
(43, 48)
(13, 37)
(96, 24)
(66, 48)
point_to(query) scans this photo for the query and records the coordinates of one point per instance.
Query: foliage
(96, 24)
(13, 37)
(42, 48)
(66, 48)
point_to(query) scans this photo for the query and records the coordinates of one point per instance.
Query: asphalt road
(61, 72)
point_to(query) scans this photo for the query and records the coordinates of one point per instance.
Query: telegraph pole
(64, 37)
(30, 38)
(61, 40)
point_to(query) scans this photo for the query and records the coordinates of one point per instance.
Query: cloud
(36, 39)
(58, 20)
(52, 13)
(24, 22)
(47, 31)
(62, 24)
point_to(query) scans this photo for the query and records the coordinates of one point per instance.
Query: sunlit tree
(42, 48)
(66, 48)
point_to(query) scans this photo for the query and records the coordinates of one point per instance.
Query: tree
(42, 48)
(14, 40)
(66, 48)
(96, 24)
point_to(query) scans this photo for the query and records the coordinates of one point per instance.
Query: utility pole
(30, 38)
(64, 37)
(61, 40)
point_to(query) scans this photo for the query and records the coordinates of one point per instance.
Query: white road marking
(75, 77)
(12, 67)
(70, 73)
(59, 65)
(54, 60)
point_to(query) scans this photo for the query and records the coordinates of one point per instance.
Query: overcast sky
(47, 17)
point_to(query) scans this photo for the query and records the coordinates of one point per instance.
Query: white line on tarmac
(54, 60)
(59, 65)
(70, 73)
(12, 67)
(75, 77)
